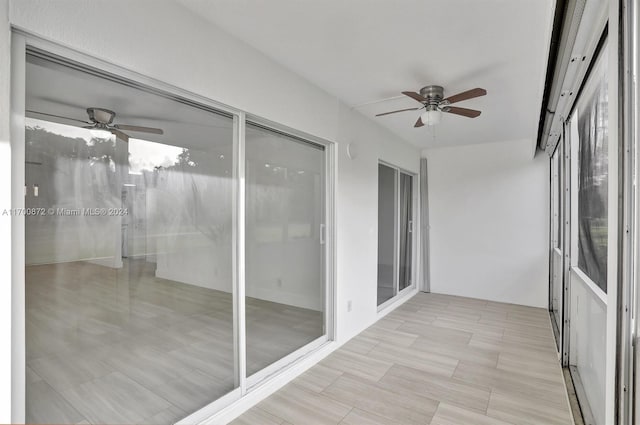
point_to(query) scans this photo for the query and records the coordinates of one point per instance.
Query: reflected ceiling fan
(434, 103)
(102, 119)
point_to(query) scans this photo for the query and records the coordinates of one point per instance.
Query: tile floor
(122, 346)
(438, 360)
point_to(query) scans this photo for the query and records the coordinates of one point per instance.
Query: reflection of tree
(71, 169)
(196, 194)
(71, 173)
(54, 144)
(592, 185)
(184, 158)
(192, 194)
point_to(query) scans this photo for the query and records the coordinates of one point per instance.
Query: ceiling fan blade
(469, 113)
(414, 95)
(119, 134)
(139, 128)
(399, 110)
(469, 94)
(419, 123)
(57, 116)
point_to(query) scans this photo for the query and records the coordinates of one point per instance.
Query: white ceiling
(364, 51)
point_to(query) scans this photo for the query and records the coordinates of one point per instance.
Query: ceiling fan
(102, 119)
(434, 103)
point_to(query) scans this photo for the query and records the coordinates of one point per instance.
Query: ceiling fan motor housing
(434, 94)
(100, 115)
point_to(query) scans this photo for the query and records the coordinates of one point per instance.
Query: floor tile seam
(143, 386)
(66, 400)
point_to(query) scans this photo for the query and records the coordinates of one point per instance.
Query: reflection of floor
(121, 346)
(438, 360)
(385, 293)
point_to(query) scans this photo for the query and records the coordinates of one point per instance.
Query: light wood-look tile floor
(122, 346)
(439, 360)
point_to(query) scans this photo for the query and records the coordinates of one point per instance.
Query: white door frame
(415, 193)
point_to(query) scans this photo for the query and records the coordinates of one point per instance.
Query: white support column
(5, 222)
(16, 182)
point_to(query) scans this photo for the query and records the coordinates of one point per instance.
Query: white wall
(198, 57)
(357, 221)
(488, 211)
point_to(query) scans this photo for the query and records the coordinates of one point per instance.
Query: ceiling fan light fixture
(431, 117)
(100, 133)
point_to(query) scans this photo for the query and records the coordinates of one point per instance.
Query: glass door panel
(406, 231)
(387, 233)
(285, 220)
(129, 305)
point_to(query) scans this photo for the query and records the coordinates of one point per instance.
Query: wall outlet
(279, 283)
(348, 305)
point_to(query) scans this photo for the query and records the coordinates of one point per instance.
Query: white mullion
(397, 234)
(329, 290)
(239, 287)
(415, 225)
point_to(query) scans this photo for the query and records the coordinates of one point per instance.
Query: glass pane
(406, 230)
(129, 312)
(555, 197)
(285, 283)
(387, 218)
(593, 177)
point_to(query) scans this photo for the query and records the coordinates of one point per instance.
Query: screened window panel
(558, 198)
(593, 177)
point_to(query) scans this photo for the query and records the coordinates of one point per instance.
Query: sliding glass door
(128, 274)
(154, 288)
(285, 224)
(387, 233)
(395, 232)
